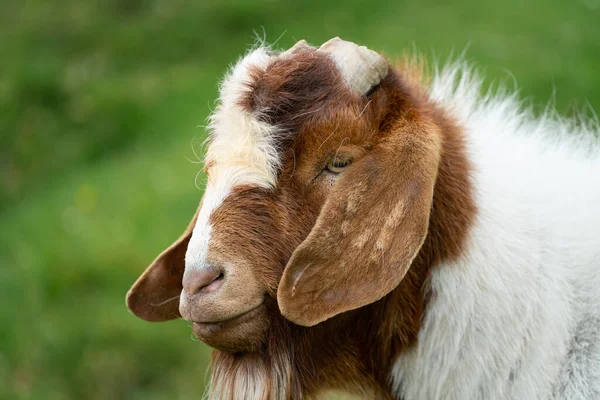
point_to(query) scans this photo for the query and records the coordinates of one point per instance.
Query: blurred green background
(102, 105)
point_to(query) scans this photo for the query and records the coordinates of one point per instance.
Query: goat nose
(207, 277)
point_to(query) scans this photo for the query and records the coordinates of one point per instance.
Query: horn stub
(361, 68)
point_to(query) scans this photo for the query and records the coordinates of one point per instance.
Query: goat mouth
(231, 321)
(234, 334)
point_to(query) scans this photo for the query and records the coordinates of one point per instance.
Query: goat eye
(336, 165)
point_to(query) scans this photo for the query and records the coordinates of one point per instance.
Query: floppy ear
(369, 230)
(155, 295)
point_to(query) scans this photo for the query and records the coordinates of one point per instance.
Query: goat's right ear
(155, 295)
(369, 230)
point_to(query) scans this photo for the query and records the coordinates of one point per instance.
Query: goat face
(321, 169)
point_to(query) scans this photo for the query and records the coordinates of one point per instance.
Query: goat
(367, 230)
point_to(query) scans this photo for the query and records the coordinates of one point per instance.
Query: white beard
(251, 377)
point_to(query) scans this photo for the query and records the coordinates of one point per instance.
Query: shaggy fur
(516, 317)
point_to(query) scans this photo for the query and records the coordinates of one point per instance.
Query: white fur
(252, 379)
(518, 316)
(241, 151)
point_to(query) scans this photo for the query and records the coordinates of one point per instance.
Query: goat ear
(369, 230)
(155, 295)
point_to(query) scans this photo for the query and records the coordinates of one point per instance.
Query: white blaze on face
(242, 151)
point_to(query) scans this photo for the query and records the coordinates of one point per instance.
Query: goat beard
(264, 374)
(292, 362)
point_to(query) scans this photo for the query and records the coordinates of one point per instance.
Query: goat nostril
(195, 281)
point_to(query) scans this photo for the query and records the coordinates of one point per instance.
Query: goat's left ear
(155, 295)
(369, 230)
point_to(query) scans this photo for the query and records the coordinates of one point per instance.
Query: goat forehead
(264, 101)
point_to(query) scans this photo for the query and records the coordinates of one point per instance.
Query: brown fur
(355, 253)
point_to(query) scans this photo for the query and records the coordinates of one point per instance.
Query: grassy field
(101, 107)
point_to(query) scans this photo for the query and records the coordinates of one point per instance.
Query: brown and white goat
(361, 231)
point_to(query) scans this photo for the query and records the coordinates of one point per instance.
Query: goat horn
(361, 67)
(299, 46)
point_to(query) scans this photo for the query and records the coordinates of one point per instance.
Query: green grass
(101, 103)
